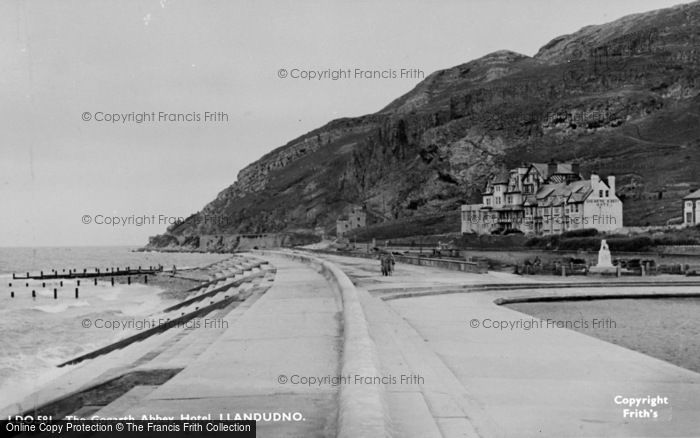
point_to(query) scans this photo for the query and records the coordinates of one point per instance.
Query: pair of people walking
(387, 263)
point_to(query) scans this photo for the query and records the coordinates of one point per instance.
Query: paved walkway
(293, 329)
(549, 382)
(366, 274)
(526, 383)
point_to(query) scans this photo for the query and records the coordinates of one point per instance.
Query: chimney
(551, 168)
(576, 168)
(611, 184)
(595, 180)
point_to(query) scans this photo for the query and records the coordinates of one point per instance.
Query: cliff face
(621, 98)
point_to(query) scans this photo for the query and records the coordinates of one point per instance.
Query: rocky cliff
(621, 98)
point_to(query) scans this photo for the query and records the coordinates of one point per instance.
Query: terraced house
(544, 198)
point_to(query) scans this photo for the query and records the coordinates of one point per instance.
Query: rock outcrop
(620, 98)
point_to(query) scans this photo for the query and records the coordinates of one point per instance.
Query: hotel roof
(501, 177)
(557, 194)
(562, 168)
(694, 195)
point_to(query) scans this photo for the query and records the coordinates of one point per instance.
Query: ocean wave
(38, 334)
(61, 307)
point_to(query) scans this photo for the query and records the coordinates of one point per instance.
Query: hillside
(621, 98)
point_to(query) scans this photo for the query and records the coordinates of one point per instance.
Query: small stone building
(356, 218)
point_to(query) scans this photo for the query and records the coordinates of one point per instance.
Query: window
(600, 193)
(607, 193)
(688, 217)
(689, 204)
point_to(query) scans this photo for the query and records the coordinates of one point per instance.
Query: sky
(71, 174)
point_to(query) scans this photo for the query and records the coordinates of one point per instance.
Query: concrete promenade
(255, 361)
(433, 372)
(291, 331)
(478, 381)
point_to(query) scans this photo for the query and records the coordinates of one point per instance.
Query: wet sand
(667, 329)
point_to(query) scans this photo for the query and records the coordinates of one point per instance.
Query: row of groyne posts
(74, 274)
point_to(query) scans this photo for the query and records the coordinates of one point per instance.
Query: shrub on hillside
(670, 240)
(549, 241)
(487, 241)
(580, 243)
(192, 241)
(584, 232)
(591, 243)
(534, 242)
(630, 244)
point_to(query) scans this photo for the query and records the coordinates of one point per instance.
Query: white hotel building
(691, 209)
(544, 198)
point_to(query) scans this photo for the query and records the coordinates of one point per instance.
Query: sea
(36, 334)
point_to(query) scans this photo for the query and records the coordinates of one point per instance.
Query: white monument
(604, 260)
(604, 265)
